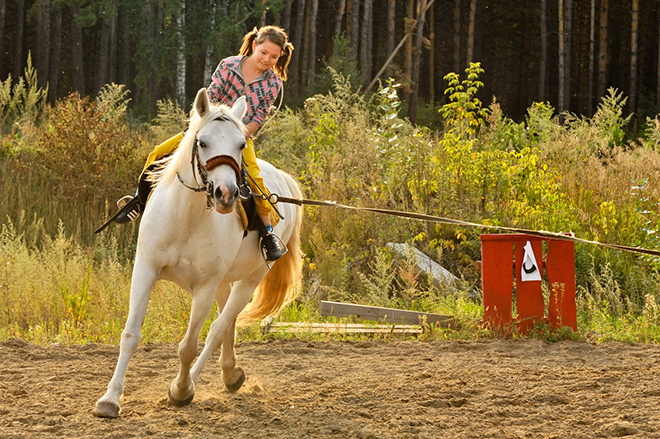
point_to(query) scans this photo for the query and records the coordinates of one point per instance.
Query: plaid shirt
(227, 85)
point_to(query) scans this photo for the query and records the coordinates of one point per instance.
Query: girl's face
(266, 54)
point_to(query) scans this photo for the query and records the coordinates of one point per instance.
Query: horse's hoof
(106, 409)
(178, 402)
(233, 388)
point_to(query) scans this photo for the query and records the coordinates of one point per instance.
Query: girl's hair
(275, 35)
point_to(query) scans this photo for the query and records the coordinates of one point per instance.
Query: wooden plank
(345, 328)
(529, 295)
(497, 280)
(560, 266)
(339, 309)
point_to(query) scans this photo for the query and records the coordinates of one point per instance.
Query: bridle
(203, 169)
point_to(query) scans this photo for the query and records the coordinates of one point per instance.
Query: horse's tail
(282, 283)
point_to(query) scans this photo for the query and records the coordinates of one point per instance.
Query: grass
(63, 165)
(56, 290)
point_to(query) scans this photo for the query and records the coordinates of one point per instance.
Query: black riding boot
(130, 208)
(269, 243)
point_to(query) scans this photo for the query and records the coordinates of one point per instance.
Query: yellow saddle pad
(240, 209)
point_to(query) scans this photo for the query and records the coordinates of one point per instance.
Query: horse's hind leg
(222, 333)
(141, 283)
(232, 376)
(182, 389)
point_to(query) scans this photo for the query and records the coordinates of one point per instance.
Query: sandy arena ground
(374, 389)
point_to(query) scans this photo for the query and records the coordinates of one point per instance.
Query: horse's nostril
(217, 193)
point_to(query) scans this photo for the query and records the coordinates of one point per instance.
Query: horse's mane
(168, 167)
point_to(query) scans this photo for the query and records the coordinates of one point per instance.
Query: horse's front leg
(141, 283)
(182, 389)
(222, 333)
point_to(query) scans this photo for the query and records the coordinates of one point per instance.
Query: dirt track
(396, 389)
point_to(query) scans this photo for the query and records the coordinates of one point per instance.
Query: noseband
(218, 160)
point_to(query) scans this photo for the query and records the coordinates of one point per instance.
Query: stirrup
(130, 210)
(123, 201)
(281, 243)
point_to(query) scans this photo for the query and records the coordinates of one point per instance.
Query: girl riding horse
(257, 73)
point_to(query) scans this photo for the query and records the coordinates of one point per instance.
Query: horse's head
(219, 145)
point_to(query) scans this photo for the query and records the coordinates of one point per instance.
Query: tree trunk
(432, 57)
(56, 52)
(391, 29)
(602, 49)
(209, 62)
(634, 35)
(304, 55)
(408, 52)
(568, 32)
(521, 54)
(350, 4)
(124, 45)
(285, 17)
(104, 53)
(181, 57)
(471, 27)
(112, 70)
(3, 5)
(355, 30)
(262, 16)
(365, 50)
(592, 45)
(18, 44)
(339, 18)
(544, 50)
(457, 35)
(561, 105)
(297, 37)
(417, 59)
(313, 14)
(77, 60)
(41, 57)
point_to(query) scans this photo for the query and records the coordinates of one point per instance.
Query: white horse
(182, 240)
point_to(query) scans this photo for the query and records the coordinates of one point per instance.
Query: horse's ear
(202, 105)
(239, 108)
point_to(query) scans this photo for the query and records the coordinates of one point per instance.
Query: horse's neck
(177, 204)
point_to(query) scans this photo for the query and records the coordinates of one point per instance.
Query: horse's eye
(201, 143)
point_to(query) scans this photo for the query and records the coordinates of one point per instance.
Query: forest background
(169, 48)
(568, 140)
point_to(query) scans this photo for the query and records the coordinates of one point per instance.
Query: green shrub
(63, 166)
